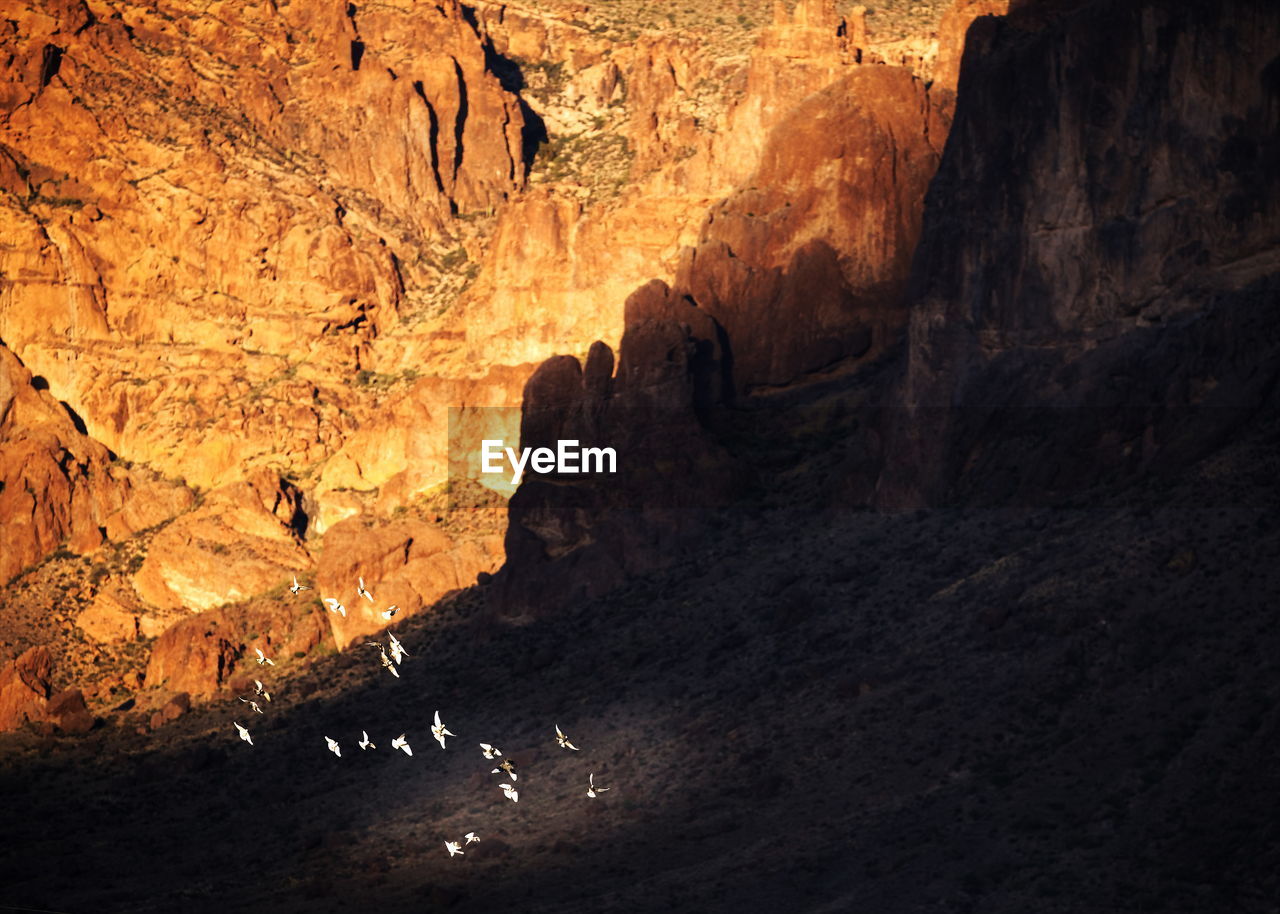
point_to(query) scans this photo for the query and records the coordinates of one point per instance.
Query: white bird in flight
(296, 586)
(335, 606)
(471, 837)
(390, 611)
(361, 591)
(334, 747)
(490, 751)
(439, 731)
(453, 847)
(592, 789)
(398, 652)
(244, 733)
(365, 743)
(260, 689)
(508, 767)
(263, 658)
(512, 794)
(564, 740)
(400, 743)
(387, 664)
(252, 704)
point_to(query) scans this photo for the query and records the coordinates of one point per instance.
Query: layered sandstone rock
(146, 501)
(269, 189)
(696, 128)
(244, 540)
(263, 262)
(802, 269)
(403, 452)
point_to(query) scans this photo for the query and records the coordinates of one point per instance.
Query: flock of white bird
(390, 661)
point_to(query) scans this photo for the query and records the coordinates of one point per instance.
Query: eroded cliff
(259, 252)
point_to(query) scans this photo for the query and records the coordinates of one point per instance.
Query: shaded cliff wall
(1093, 295)
(1094, 291)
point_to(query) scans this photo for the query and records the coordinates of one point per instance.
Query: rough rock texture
(409, 564)
(200, 654)
(805, 266)
(951, 37)
(403, 451)
(560, 266)
(147, 501)
(802, 269)
(24, 688)
(68, 711)
(1094, 290)
(284, 239)
(266, 185)
(109, 618)
(56, 484)
(1091, 298)
(579, 536)
(244, 539)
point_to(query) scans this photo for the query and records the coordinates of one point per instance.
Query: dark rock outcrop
(69, 712)
(581, 535)
(1094, 292)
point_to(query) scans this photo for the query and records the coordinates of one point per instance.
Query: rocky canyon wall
(1093, 295)
(1091, 298)
(250, 256)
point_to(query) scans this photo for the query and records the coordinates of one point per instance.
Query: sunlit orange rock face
(243, 540)
(212, 212)
(200, 654)
(24, 688)
(259, 250)
(56, 484)
(405, 564)
(587, 258)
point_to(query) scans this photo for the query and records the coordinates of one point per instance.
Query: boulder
(68, 711)
(195, 656)
(109, 619)
(24, 688)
